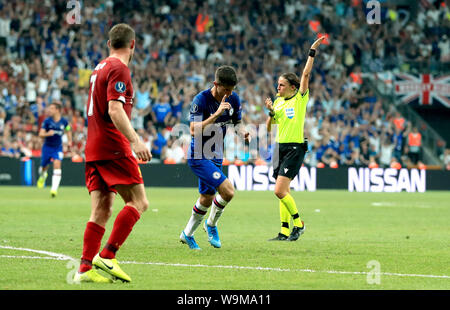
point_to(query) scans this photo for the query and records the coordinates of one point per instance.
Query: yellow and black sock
(290, 205)
(284, 218)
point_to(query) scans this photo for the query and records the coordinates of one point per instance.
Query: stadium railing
(430, 138)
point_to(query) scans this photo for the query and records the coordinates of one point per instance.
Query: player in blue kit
(52, 130)
(211, 111)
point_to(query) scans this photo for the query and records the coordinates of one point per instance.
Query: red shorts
(105, 174)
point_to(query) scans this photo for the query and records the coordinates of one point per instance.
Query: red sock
(122, 227)
(93, 235)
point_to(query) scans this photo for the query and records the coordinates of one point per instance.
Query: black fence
(248, 177)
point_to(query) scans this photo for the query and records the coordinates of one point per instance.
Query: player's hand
(269, 104)
(317, 43)
(223, 106)
(141, 151)
(50, 133)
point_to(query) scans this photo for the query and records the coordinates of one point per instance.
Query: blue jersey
(161, 110)
(58, 127)
(202, 107)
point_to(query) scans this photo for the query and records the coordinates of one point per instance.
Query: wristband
(271, 114)
(312, 52)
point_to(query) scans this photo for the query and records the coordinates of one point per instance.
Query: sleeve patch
(120, 87)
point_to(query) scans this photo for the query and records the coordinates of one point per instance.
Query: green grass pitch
(352, 241)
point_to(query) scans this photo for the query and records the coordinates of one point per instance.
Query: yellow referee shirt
(290, 117)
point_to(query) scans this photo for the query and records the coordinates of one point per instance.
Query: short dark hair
(292, 78)
(57, 105)
(121, 35)
(226, 75)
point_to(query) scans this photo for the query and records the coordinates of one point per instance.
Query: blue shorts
(49, 153)
(209, 173)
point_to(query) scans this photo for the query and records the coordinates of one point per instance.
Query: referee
(288, 112)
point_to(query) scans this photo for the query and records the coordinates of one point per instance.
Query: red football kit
(109, 159)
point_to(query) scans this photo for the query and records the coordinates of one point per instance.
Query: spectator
(158, 144)
(174, 152)
(399, 142)
(386, 151)
(364, 155)
(162, 111)
(44, 59)
(142, 105)
(447, 159)
(414, 145)
(399, 121)
(444, 49)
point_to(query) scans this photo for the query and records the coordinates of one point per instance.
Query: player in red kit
(111, 167)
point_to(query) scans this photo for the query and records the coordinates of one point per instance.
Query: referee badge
(290, 112)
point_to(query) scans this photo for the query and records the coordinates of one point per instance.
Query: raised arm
(304, 81)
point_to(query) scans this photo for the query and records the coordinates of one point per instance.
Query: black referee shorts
(287, 159)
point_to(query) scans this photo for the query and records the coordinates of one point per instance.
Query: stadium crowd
(46, 57)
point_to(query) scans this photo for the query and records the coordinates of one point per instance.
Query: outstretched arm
(304, 81)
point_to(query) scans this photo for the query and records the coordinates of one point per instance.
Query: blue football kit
(205, 154)
(53, 146)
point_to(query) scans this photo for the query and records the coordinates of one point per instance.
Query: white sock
(198, 212)
(42, 173)
(56, 179)
(217, 209)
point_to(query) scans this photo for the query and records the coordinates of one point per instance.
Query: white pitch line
(57, 256)
(32, 257)
(285, 270)
(51, 254)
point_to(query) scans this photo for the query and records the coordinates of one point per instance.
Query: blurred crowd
(45, 56)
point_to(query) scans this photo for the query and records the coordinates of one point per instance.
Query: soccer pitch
(352, 241)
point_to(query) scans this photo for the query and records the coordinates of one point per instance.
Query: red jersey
(110, 80)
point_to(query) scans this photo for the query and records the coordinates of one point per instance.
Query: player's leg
(198, 212)
(101, 209)
(224, 196)
(210, 177)
(102, 199)
(136, 203)
(42, 176)
(282, 185)
(285, 216)
(56, 177)
(289, 162)
(43, 167)
(283, 194)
